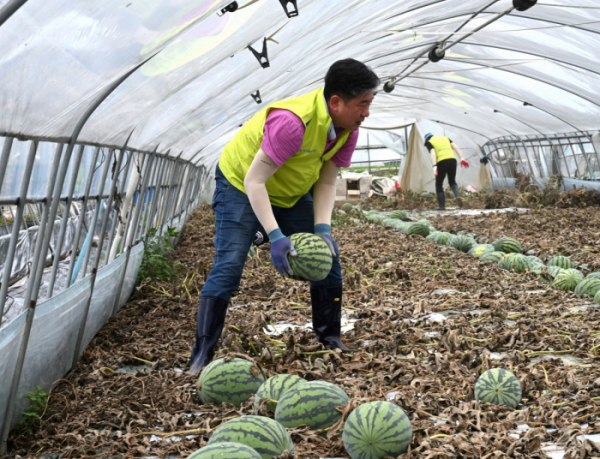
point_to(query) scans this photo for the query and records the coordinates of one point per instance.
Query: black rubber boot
(211, 317)
(441, 197)
(459, 200)
(327, 315)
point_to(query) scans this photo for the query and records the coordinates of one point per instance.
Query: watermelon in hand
(314, 258)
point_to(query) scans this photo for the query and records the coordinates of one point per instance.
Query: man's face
(349, 115)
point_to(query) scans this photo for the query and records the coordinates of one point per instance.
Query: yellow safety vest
(299, 173)
(443, 148)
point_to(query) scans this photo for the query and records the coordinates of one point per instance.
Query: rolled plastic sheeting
(10, 340)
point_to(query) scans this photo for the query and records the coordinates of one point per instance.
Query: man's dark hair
(348, 79)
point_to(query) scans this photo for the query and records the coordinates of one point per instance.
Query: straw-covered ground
(483, 317)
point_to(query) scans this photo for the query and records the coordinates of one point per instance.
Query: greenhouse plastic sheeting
(568, 184)
(135, 260)
(528, 72)
(103, 298)
(52, 341)
(10, 340)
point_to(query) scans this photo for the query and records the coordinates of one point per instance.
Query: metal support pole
(144, 186)
(109, 202)
(178, 187)
(8, 141)
(99, 200)
(156, 195)
(183, 188)
(173, 191)
(14, 238)
(65, 221)
(82, 214)
(121, 185)
(151, 195)
(141, 165)
(165, 197)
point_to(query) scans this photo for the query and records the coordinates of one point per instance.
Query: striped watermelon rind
(480, 249)
(266, 436)
(347, 207)
(442, 238)
(225, 450)
(314, 259)
(593, 276)
(534, 259)
(499, 387)
(273, 388)
(377, 429)
(313, 403)
(554, 271)
(508, 245)
(496, 257)
(228, 381)
(398, 214)
(537, 267)
(567, 280)
(389, 222)
(463, 243)
(433, 235)
(515, 262)
(597, 297)
(420, 228)
(588, 287)
(562, 262)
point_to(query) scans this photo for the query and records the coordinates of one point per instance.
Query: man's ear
(335, 103)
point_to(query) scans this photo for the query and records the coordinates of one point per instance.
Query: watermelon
(229, 381)
(537, 267)
(597, 297)
(433, 235)
(496, 257)
(347, 207)
(273, 388)
(377, 429)
(399, 225)
(508, 245)
(426, 195)
(418, 228)
(443, 238)
(515, 262)
(406, 226)
(225, 450)
(534, 259)
(593, 276)
(463, 243)
(480, 249)
(314, 259)
(567, 280)
(561, 262)
(554, 271)
(398, 214)
(266, 436)
(499, 387)
(588, 287)
(312, 403)
(388, 222)
(375, 218)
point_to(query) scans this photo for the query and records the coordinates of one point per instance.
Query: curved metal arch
(545, 56)
(498, 93)
(504, 69)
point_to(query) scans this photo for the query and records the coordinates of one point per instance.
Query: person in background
(444, 162)
(263, 179)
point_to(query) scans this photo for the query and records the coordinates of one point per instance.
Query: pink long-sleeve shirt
(284, 133)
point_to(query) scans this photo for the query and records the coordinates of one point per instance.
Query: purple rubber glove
(280, 247)
(323, 230)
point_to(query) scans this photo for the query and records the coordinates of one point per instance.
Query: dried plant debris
(428, 320)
